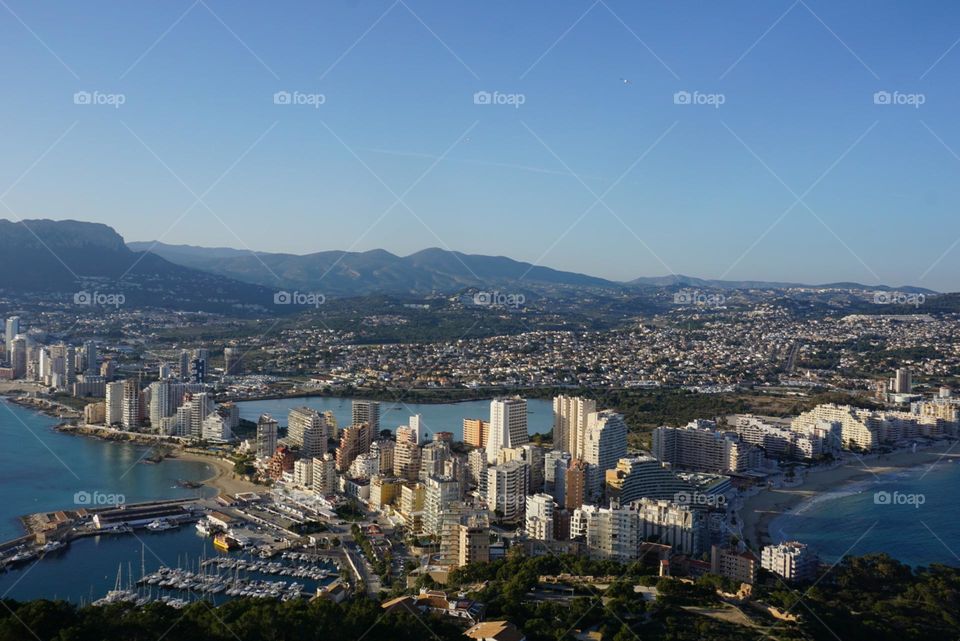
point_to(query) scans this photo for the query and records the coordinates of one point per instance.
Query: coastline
(758, 511)
(222, 478)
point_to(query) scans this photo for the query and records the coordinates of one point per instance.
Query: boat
(52, 546)
(161, 525)
(204, 527)
(225, 542)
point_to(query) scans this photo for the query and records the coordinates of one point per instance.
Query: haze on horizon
(824, 147)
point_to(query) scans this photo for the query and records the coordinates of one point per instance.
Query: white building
(325, 474)
(266, 436)
(303, 473)
(570, 423)
(507, 490)
(508, 425)
(538, 521)
(307, 429)
(791, 560)
(114, 403)
(604, 443)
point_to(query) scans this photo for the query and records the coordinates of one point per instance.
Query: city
(410, 320)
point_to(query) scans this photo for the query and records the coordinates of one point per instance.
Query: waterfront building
(12, 329)
(114, 403)
(699, 446)
(130, 413)
(508, 425)
(354, 440)
(95, 413)
(216, 429)
(368, 413)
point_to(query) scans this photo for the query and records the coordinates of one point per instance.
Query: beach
(760, 510)
(223, 478)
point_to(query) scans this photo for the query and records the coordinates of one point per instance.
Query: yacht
(161, 525)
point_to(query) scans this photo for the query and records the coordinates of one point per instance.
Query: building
(216, 429)
(114, 403)
(354, 440)
(902, 382)
(533, 455)
(131, 405)
(701, 447)
(604, 443)
(475, 432)
(161, 403)
(474, 539)
(232, 361)
(281, 463)
(439, 493)
(266, 436)
(508, 425)
(793, 561)
(507, 490)
(570, 423)
(538, 519)
(307, 430)
(303, 473)
(367, 412)
(615, 533)
(734, 564)
(642, 477)
(406, 460)
(325, 475)
(495, 631)
(576, 478)
(12, 329)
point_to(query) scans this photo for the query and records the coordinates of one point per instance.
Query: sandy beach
(223, 477)
(760, 510)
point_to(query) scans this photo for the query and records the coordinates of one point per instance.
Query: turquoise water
(919, 526)
(447, 417)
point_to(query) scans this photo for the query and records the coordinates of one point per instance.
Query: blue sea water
(909, 514)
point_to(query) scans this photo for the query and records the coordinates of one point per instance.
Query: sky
(806, 141)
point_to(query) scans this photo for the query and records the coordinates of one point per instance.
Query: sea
(910, 514)
(42, 470)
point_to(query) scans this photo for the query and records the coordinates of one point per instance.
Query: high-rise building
(533, 455)
(198, 370)
(701, 447)
(508, 425)
(354, 440)
(12, 329)
(307, 430)
(570, 423)
(90, 358)
(604, 443)
(18, 357)
(474, 539)
(406, 460)
(266, 436)
(538, 519)
(432, 457)
(575, 489)
(439, 494)
(232, 361)
(131, 404)
(325, 474)
(507, 490)
(475, 432)
(902, 381)
(367, 412)
(114, 403)
(644, 477)
(185, 366)
(161, 403)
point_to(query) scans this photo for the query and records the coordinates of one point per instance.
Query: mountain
(342, 273)
(64, 258)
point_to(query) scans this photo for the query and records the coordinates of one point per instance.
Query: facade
(791, 560)
(475, 432)
(266, 436)
(367, 412)
(131, 405)
(307, 430)
(701, 447)
(508, 425)
(507, 490)
(406, 460)
(324, 475)
(570, 423)
(604, 443)
(538, 523)
(734, 564)
(641, 477)
(438, 495)
(114, 403)
(354, 440)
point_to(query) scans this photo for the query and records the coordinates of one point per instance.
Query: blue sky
(798, 175)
